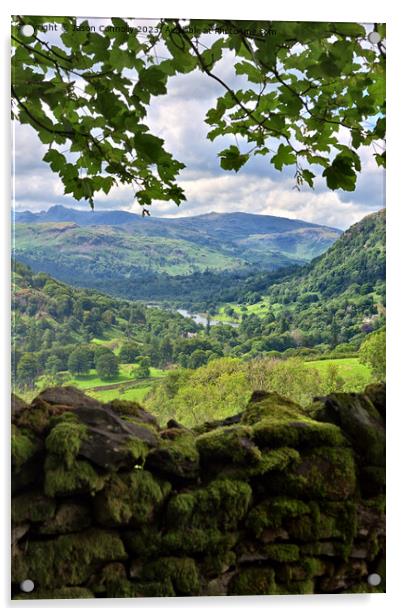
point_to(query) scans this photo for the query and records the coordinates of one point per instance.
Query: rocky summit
(275, 500)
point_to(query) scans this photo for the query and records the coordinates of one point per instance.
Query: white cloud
(179, 119)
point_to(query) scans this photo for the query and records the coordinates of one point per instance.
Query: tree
(143, 369)
(305, 82)
(107, 365)
(53, 365)
(198, 358)
(27, 370)
(129, 352)
(79, 361)
(373, 354)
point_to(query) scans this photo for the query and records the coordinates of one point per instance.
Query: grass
(136, 391)
(259, 309)
(349, 368)
(134, 394)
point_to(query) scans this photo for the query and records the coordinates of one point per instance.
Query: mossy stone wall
(277, 500)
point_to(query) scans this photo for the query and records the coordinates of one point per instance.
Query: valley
(298, 331)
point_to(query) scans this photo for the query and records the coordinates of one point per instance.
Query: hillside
(337, 298)
(50, 320)
(122, 253)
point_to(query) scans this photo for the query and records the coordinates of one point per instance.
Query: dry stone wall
(276, 500)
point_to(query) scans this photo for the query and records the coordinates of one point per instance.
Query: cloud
(179, 119)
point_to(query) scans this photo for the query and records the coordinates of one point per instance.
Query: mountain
(337, 297)
(116, 251)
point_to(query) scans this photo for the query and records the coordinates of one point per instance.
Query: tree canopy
(296, 87)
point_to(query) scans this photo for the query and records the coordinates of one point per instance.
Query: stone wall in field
(276, 500)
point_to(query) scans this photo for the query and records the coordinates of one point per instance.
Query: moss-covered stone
(376, 392)
(67, 592)
(310, 478)
(373, 480)
(282, 552)
(253, 581)
(273, 512)
(80, 478)
(304, 587)
(130, 498)
(268, 405)
(145, 541)
(69, 518)
(326, 548)
(36, 417)
(131, 409)
(182, 573)
(305, 568)
(32, 506)
(65, 439)
(333, 520)
(70, 559)
(110, 579)
(137, 450)
(176, 455)
(197, 540)
(233, 444)
(301, 432)
(127, 590)
(221, 504)
(360, 420)
(24, 446)
(217, 563)
(272, 460)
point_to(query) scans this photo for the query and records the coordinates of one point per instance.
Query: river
(200, 319)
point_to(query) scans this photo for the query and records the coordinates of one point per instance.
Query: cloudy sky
(178, 118)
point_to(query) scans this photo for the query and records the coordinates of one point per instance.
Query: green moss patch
(221, 504)
(273, 513)
(253, 581)
(273, 460)
(79, 478)
(197, 540)
(300, 432)
(70, 559)
(176, 455)
(360, 420)
(270, 405)
(325, 473)
(182, 573)
(130, 498)
(145, 541)
(32, 506)
(24, 446)
(231, 444)
(282, 552)
(65, 440)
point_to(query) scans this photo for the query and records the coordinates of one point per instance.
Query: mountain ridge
(61, 213)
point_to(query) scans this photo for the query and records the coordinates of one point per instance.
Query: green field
(124, 386)
(134, 394)
(349, 368)
(259, 309)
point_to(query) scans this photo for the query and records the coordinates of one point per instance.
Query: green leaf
(56, 159)
(285, 156)
(232, 159)
(247, 68)
(308, 177)
(341, 173)
(148, 147)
